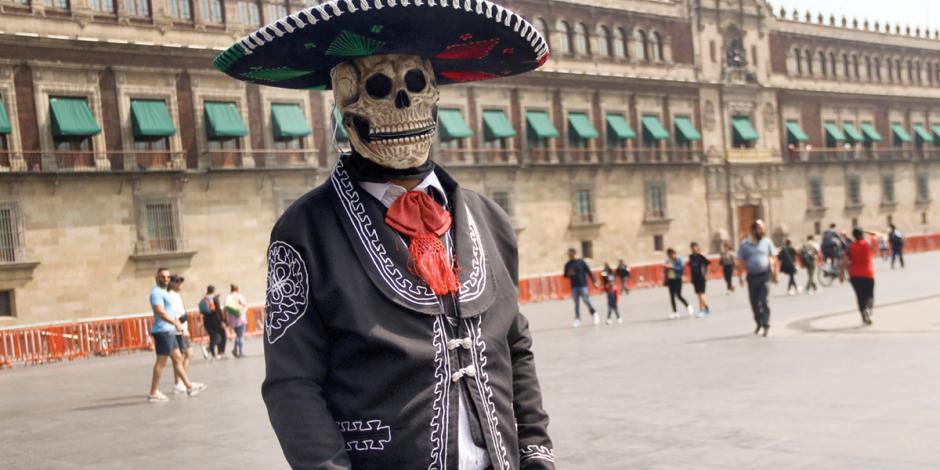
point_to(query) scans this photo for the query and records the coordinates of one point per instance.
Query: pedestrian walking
(612, 288)
(236, 310)
(674, 267)
(729, 262)
(883, 247)
(861, 269)
(164, 329)
(809, 253)
(896, 240)
(182, 336)
(213, 323)
(757, 254)
(698, 268)
(787, 259)
(623, 273)
(578, 273)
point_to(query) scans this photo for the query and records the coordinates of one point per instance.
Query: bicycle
(829, 271)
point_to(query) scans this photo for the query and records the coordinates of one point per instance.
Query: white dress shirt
(472, 457)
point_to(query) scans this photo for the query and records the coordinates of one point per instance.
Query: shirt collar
(387, 193)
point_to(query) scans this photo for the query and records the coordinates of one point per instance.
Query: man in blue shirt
(757, 254)
(578, 272)
(164, 330)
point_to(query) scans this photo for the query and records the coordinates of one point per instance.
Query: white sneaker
(691, 310)
(179, 388)
(197, 387)
(205, 352)
(673, 316)
(597, 319)
(576, 323)
(609, 321)
(158, 397)
(620, 321)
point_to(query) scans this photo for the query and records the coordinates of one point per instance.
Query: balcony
(653, 155)
(748, 155)
(90, 161)
(261, 159)
(467, 157)
(861, 154)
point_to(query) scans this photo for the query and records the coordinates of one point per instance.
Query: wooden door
(747, 215)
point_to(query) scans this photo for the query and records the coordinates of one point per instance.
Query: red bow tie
(418, 216)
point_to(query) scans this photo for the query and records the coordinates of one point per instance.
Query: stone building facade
(654, 123)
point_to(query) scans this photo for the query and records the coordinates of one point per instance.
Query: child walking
(609, 278)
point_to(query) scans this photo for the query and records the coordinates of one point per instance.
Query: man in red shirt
(861, 270)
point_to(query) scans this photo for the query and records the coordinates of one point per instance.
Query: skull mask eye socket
(379, 86)
(415, 81)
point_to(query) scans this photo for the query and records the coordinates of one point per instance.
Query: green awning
(338, 122)
(581, 125)
(833, 131)
(150, 118)
(5, 126)
(653, 129)
(540, 124)
(620, 127)
(72, 117)
(743, 129)
(686, 129)
(852, 132)
(288, 121)
(935, 127)
(796, 132)
(453, 125)
(922, 133)
(900, 133)
(870, 133)
(224, 120)
(496, 125)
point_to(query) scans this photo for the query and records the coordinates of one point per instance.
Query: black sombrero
(465, 40)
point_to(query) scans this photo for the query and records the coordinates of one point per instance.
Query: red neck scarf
(418, 216)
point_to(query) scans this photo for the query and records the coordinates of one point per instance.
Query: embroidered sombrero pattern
(465, 40)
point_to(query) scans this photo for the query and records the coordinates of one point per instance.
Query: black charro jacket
(365, 363)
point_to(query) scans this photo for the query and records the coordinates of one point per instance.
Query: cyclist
(833, 245)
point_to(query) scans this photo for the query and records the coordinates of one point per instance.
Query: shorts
(164, 343)
(183, 342)
(699, 284)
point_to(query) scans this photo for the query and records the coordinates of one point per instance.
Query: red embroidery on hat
(509, 51)
(543, 59)
(470, 51)
(467, 75)
(466, 37)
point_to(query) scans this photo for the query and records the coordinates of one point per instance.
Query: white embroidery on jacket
(536, 452)
(440, 416)
(482, 379)
(286, 297)
(372, 435)
(415, 292)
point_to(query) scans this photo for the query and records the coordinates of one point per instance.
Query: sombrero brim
(465, 40)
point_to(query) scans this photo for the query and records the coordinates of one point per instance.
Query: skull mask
(388, 104)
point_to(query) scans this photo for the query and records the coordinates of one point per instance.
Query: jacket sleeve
(535, 447)
(296, 364)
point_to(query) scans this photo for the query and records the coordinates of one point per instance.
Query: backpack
(206, 306)
(807, 256)
(897, 239)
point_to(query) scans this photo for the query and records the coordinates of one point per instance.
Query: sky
(923, 13)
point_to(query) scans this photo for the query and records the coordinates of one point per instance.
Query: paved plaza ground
(821, 393)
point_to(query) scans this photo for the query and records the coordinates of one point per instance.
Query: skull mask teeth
(388, 105)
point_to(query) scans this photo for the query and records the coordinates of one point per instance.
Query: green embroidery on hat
(349, 44)
(310, 45)
(274, 75)
(376, 29)
(227, 58)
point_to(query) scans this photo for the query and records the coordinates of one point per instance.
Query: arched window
(798, 58)
(877, 69)
(809, 63)
(910, 71)
(890, 70)
(642, 48)
(564, 39)
(868, 67)
(822, 64)
(620, 43)
(603, 41)
(897, 70)
(917, 71)
(855, 66)
(832, 64)
(581, 40)
(656, 46)
(845, 66)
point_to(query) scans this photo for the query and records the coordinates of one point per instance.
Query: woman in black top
(698, 267)
(787, 257)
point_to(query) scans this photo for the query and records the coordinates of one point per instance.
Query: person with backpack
(808, 255)
(787, 258)
(896, 240)
(213, 323)
(236, 309)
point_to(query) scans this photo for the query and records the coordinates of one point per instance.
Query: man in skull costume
(393, 337)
